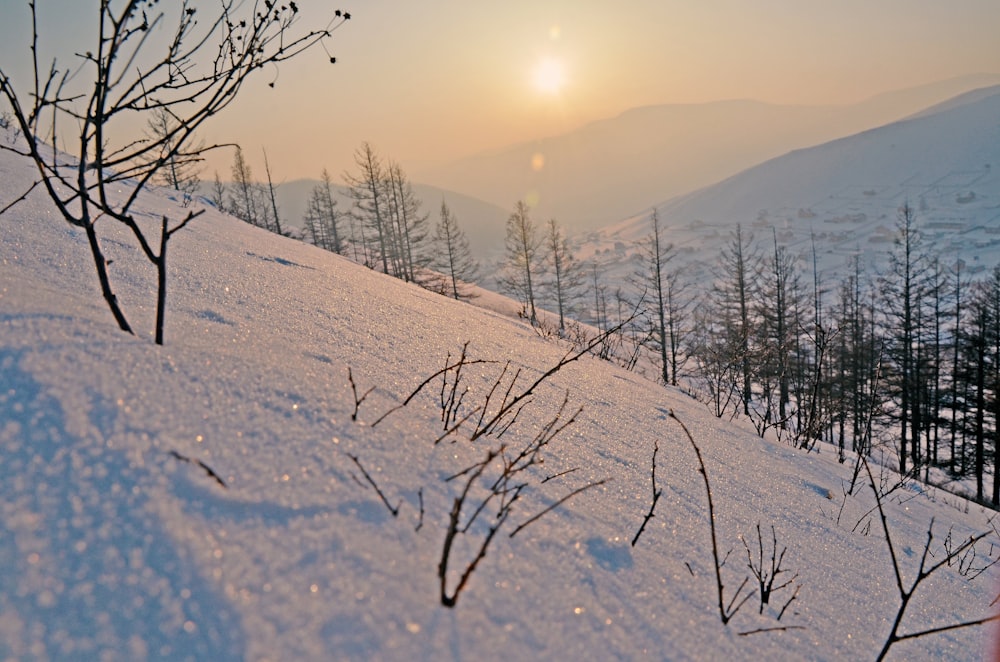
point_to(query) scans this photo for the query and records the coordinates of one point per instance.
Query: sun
(549, 76)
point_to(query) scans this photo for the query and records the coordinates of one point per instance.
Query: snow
(113, 548)
(845, 196)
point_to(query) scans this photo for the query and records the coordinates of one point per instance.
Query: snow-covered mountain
(619, 166)
(116, 541)
(945, 162)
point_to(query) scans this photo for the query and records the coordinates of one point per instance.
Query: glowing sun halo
(549, 77)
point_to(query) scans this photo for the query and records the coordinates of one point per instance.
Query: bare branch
(371, 481)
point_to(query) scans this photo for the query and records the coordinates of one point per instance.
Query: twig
(725, 613)
(557, 504)
(193, 460)
(371, 481)
(427, 381)
(779, 628)
(23, 197)
(656, 495)
(507, 406)
(559, 475)
(354, 389)
(923, 572)
(420, 519)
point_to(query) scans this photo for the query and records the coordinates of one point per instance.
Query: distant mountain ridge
(613, 168)
(944, 162)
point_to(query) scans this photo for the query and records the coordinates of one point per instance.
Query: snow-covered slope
(483, 223)
(112, 547)
(945, 163)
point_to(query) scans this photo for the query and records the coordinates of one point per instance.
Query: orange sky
(438, 79)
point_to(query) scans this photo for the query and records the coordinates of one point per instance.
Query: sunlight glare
(549, 76)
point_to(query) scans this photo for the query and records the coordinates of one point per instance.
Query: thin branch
(371, 481)
(195, 461)
(559, 475)
(23, 197)
(779, 628)
(424, 383)
(557, 504)
(656, 495)
(354, 390)
(724, 613)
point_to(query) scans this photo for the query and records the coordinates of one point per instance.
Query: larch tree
(903, 290)
(271, 199)
(734, 295)
(453, 256)
(218, 194)
(520, 271)
(776, 310)
(565, 277)
(182, 174)
(322, 219)
(244, 198)
(656, 280)
(409, 229)
(368, 191)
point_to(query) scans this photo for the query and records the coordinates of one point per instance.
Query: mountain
(617, 167)
(945, 163)
(234, 495)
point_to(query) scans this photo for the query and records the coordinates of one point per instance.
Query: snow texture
(114, 548)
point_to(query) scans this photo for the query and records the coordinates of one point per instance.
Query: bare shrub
(766, 573)
(925, 569)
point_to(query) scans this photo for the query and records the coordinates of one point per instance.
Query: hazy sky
(433, 80)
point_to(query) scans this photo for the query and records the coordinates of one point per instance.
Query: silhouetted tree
(192, 73)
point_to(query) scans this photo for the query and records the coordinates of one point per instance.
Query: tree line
(906, 358)
(384, 228)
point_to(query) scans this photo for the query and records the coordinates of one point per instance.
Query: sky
(432, 81)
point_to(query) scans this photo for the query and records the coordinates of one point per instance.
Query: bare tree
(904, 289)
(409, 233)
(367, 189)
(454, 258)
(137, 64)
(668, 309)
(322, 220)
(244, 199)
(270, 194)
(180, 174)
(734, 294)
(564, 275)
(521, 269)
(218, 194)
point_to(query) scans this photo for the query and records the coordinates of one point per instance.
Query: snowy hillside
(946, 164)
(117, 543)
(482, 222)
